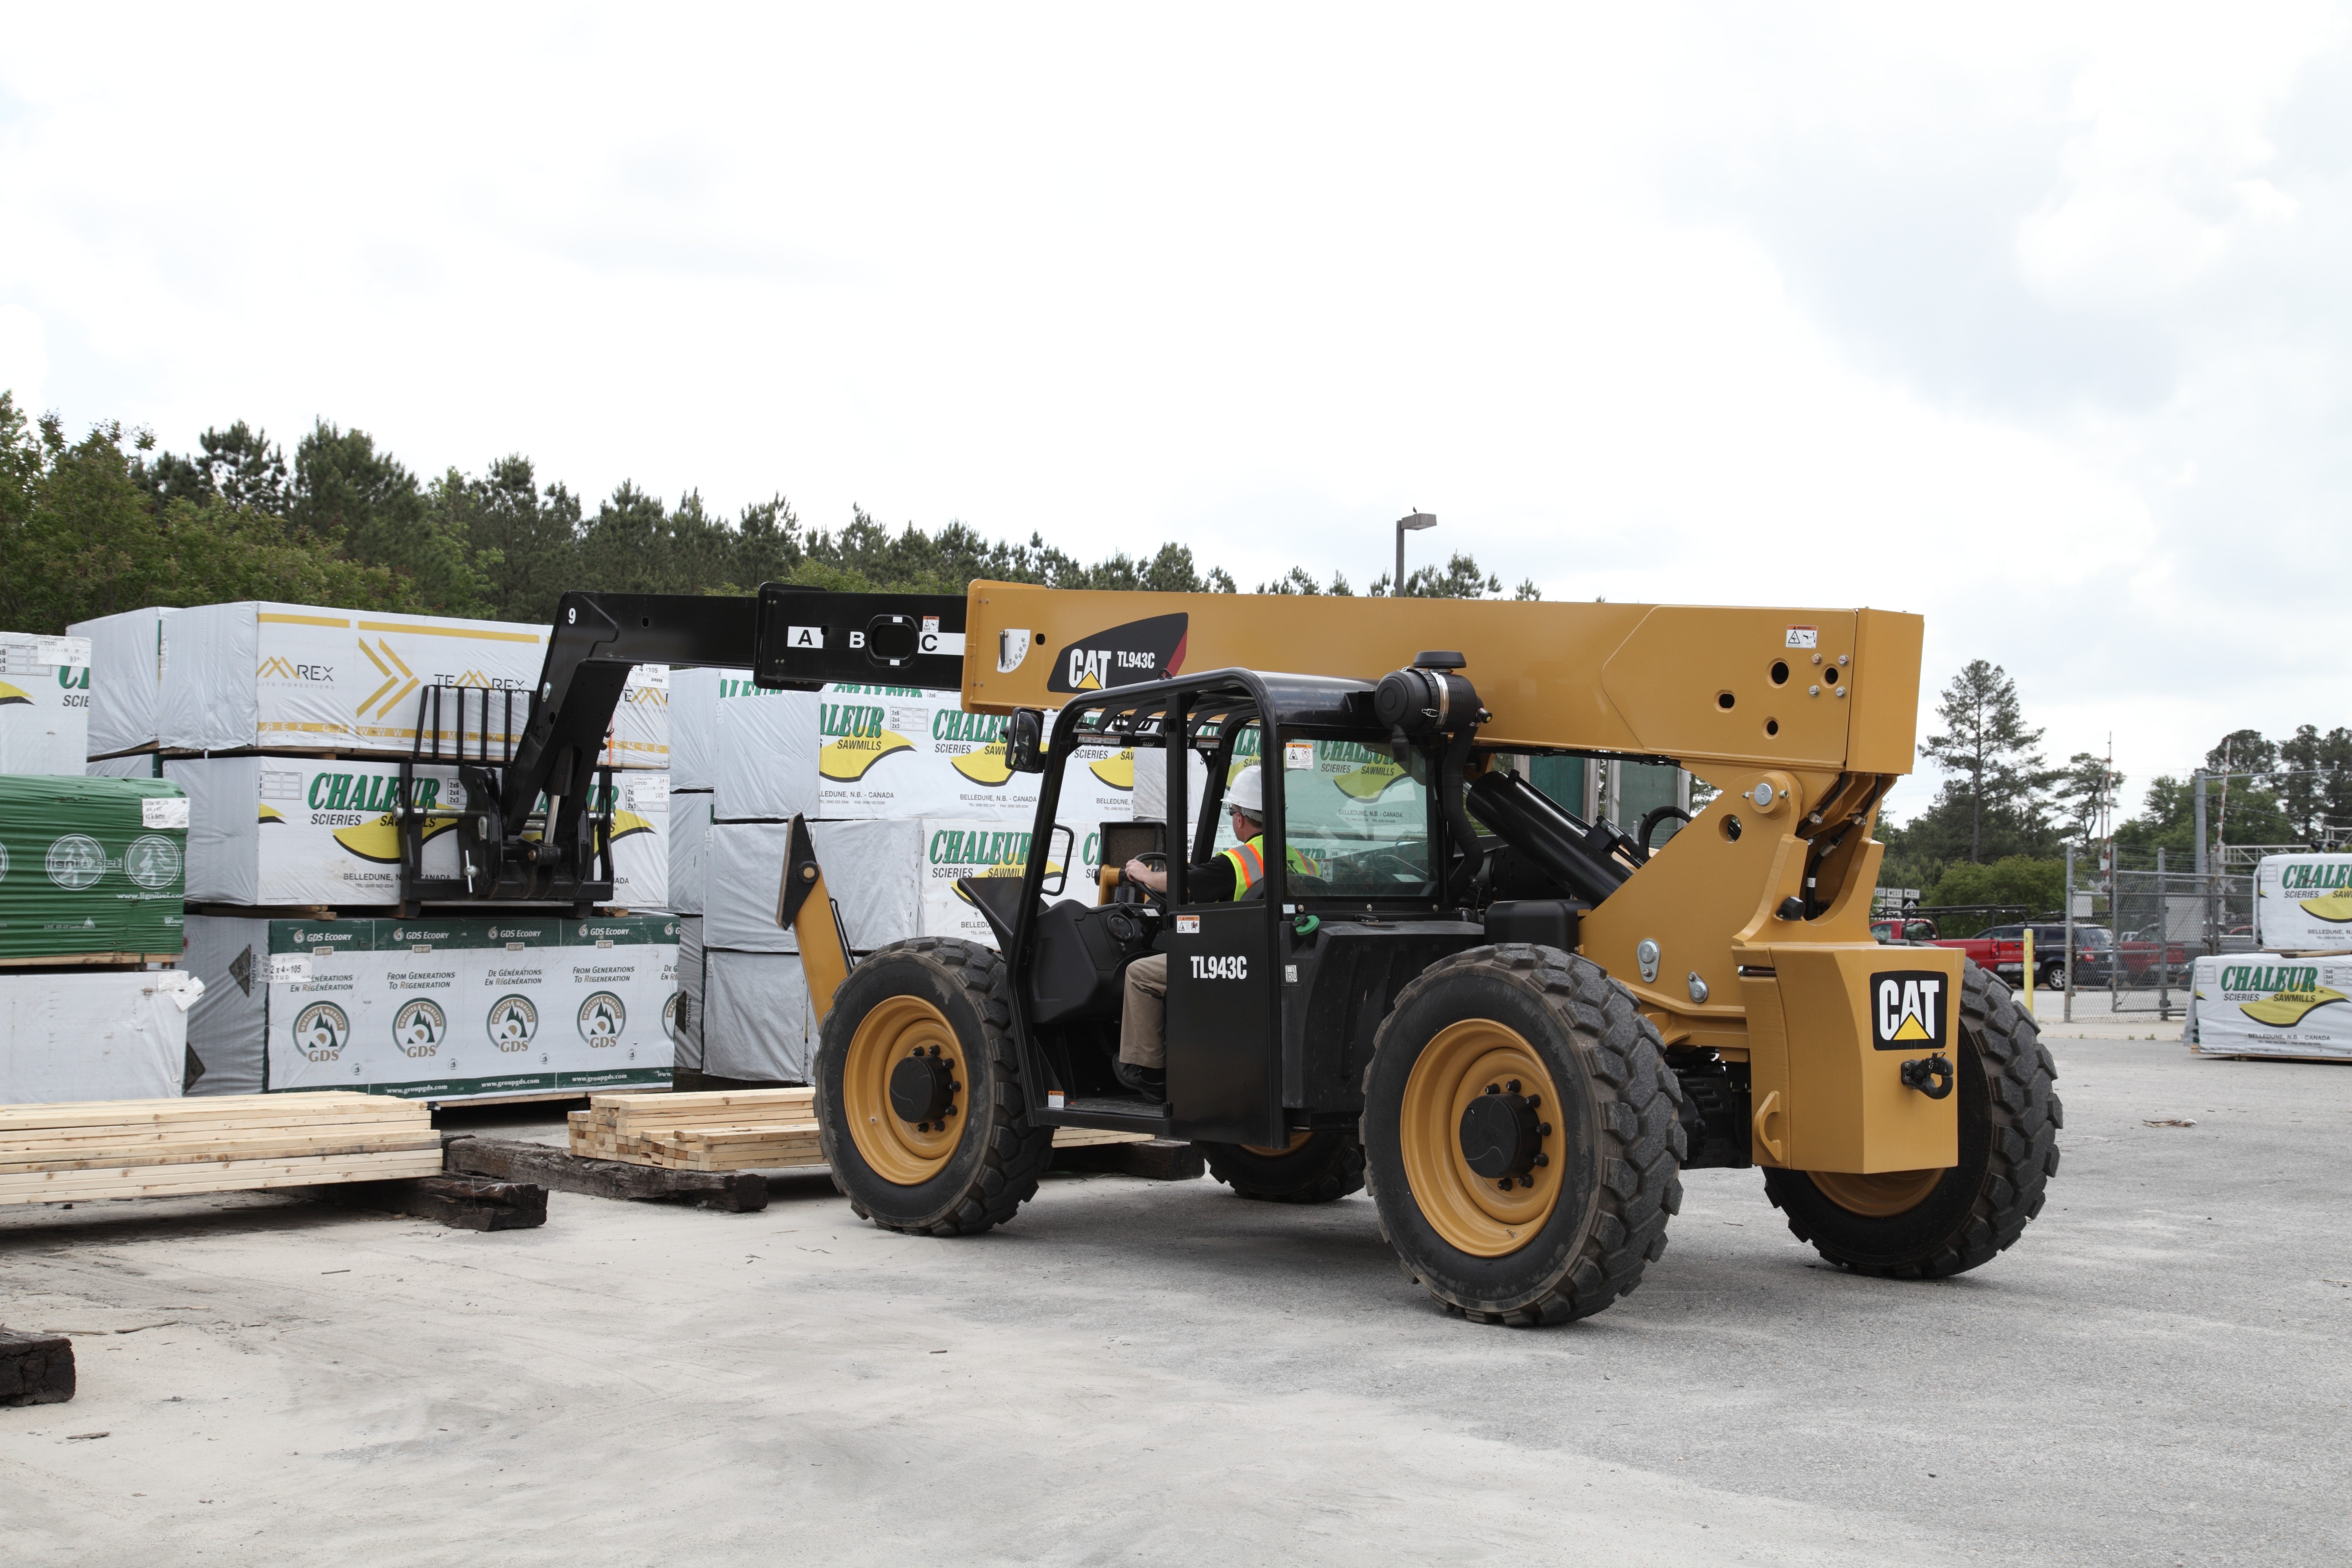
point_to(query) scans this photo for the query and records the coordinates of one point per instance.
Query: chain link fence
(2146, 922)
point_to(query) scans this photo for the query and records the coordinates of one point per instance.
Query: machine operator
(1227, 874)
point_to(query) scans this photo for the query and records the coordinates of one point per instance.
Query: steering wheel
(1153, 860)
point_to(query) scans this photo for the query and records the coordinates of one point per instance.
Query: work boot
(1149, 1083)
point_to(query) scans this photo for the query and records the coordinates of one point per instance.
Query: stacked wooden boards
(731, 1129)
(158, 1148)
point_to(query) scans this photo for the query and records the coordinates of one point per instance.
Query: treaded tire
(1326, 1167)
(995, 1164)
(1617, 1115)
(2010, 1118)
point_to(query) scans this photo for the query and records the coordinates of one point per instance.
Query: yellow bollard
(2029, 972)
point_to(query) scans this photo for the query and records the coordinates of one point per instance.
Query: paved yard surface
(1144, 1372)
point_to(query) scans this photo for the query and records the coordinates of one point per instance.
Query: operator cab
(1273, 997)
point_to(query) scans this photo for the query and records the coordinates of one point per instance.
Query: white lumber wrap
(757, 1025)
(274, 677)
(2303, 902)
(2271, 1005)
(43, 703)
(126, 679)
(294, 830)
(93, 1035)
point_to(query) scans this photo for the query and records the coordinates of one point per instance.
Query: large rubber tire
(2010, 1118)
(1619, 1145)
(1318, 1168)
(991, 1166)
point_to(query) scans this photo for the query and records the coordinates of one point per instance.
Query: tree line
(111, 523)
(2003, 817)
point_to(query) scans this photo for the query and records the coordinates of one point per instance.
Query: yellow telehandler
(1516, 1026)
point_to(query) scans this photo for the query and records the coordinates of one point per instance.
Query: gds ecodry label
(470, 1007)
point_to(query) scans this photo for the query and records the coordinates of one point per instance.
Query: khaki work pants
(1143, 1024)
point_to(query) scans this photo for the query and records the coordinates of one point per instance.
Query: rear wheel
(1520, 1136)
(1924, 1225)
(1312, 1168)
(919, 1097)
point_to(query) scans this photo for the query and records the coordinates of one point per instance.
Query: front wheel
(1521, 1135)
(1925, 1224)
(918, 1097)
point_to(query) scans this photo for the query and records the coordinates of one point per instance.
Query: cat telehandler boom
(1516, 1026)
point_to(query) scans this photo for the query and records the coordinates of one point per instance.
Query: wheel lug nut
(1512, 1086)
(1505, 1183)
(1543, 1129)
(1493, 1088)
(1541, 1160)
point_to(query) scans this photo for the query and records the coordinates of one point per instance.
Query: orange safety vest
(1249, 864)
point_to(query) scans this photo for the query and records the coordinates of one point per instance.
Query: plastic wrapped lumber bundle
(278, 831)
(43, 703)
(90, 870)
(94, 1033)
(126, 679)
(2271, 1005)
(132, 1148)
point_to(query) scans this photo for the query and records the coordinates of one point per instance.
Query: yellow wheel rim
(1472, 1212)
(1298, 1142)
(1875, 1197)
(904, 1153)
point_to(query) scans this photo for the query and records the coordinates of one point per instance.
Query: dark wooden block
(35, 1369)
(462, 1202)
(1160, 1160)
(516, 1159)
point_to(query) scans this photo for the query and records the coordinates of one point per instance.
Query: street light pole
(1416, 521)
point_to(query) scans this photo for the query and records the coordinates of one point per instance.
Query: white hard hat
(1247, 793)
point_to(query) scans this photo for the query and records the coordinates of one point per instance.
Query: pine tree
(1999, 777)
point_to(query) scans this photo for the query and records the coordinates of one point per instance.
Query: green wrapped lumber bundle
(91, 868)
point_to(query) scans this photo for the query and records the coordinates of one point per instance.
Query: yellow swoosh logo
(1117, 770)
(2334, 907)
(986, 765)
(2288, 1009)
(9, 695)
(1370, 782)
(848, 759)
(379, 840)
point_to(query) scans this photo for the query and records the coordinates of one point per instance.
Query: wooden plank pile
(731, 1129)
(161, 1148)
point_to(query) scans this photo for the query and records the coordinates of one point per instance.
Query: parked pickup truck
(1910, 931)
(2002, 951)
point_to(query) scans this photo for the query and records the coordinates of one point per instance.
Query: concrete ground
(1135, 1371)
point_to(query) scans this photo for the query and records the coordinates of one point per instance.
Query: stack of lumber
(1094, 1138)
(731, 1129)
(157, 1147)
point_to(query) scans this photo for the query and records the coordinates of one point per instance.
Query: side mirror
(1025, 741)
(1061, 845)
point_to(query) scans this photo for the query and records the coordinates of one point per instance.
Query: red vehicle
(1911, 930)
(2140, 952)
(2002, 951)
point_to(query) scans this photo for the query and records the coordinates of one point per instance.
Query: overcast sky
(2035, 319)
